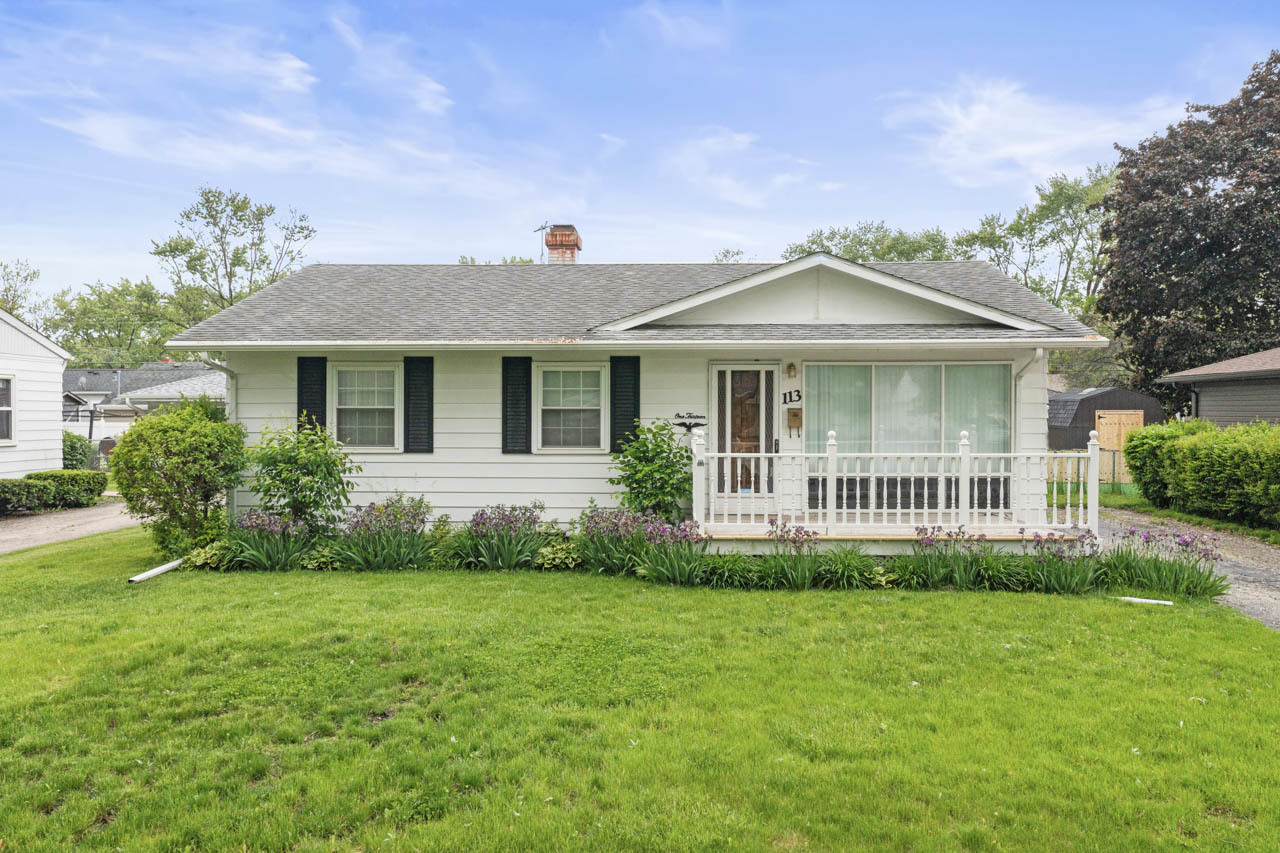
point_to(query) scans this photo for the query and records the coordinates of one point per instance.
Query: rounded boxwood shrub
(72, 488)
(24, 495)
(174, 469)
(1146, 452)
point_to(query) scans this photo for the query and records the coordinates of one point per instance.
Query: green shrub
(655, 469)
(72, 488)
(217, 556)
(1146, 455)
(382, 550)
(673, 553)
(611, 541)
(174, 470)
(300, 473)
(559, 556)
(76, 450)
(730, 570)
(849, 567)
(793, 562)
(268, 551)
(24, 495)
(211, 409)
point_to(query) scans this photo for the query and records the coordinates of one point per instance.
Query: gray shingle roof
(1265, 363)
(211, 384)
(537, 302)
(104, 380)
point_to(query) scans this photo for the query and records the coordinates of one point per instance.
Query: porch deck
(891, 495)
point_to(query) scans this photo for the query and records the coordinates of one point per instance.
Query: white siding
(468, 469)
(37, 408)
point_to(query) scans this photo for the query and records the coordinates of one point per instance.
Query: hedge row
(51, 490)
(1197, 467)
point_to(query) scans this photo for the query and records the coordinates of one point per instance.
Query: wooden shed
(1236, 391)
(1111, 411)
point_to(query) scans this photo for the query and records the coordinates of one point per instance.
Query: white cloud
(612, 145)
(990, 131)
(379, 62)
(830, 186)
(731, 167)
(687, 27)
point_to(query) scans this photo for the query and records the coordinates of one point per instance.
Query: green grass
(515, 711)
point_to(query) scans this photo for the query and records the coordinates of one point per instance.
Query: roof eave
(1065, 342)
(1181, 379)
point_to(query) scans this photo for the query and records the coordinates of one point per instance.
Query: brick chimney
(563, 244)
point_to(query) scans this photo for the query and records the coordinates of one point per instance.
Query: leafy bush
(502, 538)
(174, 470)
(217, 556)
(1145, 453)
(382, 550)
(24, 495)
(72, 488)
(1166, 562)
(76, 450)
(398, 512)
(301, 474)
(211, 409)
(559, 556)
(655, 468)
(849, 567)
(673, 553)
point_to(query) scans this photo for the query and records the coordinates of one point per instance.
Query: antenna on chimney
(542, 249)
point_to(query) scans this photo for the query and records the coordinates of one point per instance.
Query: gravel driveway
(47, 527)
(1253, 566)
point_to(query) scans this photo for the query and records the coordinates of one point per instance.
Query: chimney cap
(563, 236)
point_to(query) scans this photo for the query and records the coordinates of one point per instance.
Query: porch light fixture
(791, 370)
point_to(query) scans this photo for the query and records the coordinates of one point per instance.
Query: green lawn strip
(455, 710)
(1142, 505)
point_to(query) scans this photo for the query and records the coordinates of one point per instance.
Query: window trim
(331, 403)
(942, 403)
(12, 440)
(603, 368)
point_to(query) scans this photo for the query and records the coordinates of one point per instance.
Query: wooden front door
(744, 422)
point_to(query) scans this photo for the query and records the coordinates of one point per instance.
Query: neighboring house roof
(569, 303)
(117, 383)
(211, 384)
(24, 329)
(1063, 404)
(1256, 365)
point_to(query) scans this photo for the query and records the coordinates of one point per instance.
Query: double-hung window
(6, 410)
(368, 405)
(572, 400)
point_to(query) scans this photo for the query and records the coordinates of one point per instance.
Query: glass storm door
(744, 424)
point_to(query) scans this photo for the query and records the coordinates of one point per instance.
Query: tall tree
(729, 256)
(114, 325)
(228, 247)
(1192, 236)
(875, 241)
(1054, 246)
(18, 294)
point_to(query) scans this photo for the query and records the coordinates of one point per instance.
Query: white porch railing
(894, 493)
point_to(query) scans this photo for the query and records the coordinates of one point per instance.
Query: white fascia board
(35, 336)
(883, 279)
(631, 344)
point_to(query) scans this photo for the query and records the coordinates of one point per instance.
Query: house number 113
(791, 396)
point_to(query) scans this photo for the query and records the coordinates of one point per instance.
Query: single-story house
(1076, 412)
(1235, 391)
(857, 399)
(30, 399)
(104, 402)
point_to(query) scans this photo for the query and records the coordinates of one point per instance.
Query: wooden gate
(1114, 424)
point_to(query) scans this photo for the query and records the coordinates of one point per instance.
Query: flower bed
(400, 533)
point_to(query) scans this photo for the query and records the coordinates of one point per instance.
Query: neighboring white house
(474, 385)
(103, 402)
(30, 399)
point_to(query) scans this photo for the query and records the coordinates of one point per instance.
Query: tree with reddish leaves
(1192, 237)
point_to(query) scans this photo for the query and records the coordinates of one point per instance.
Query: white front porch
(891, 495)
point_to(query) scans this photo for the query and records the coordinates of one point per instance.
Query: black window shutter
(419, 404)
(517, 404)
(624, 398)
(313, 381)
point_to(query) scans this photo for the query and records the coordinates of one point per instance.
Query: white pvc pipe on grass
(158, 570)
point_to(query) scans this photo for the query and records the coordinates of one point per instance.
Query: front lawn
(453, 710)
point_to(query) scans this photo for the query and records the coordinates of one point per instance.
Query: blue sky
(415, 132)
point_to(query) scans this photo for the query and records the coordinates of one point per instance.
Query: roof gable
(18, 336)
(823, 290)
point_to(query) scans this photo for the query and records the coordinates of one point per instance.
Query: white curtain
(908, 408)
(978, 401)
(837, 397)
